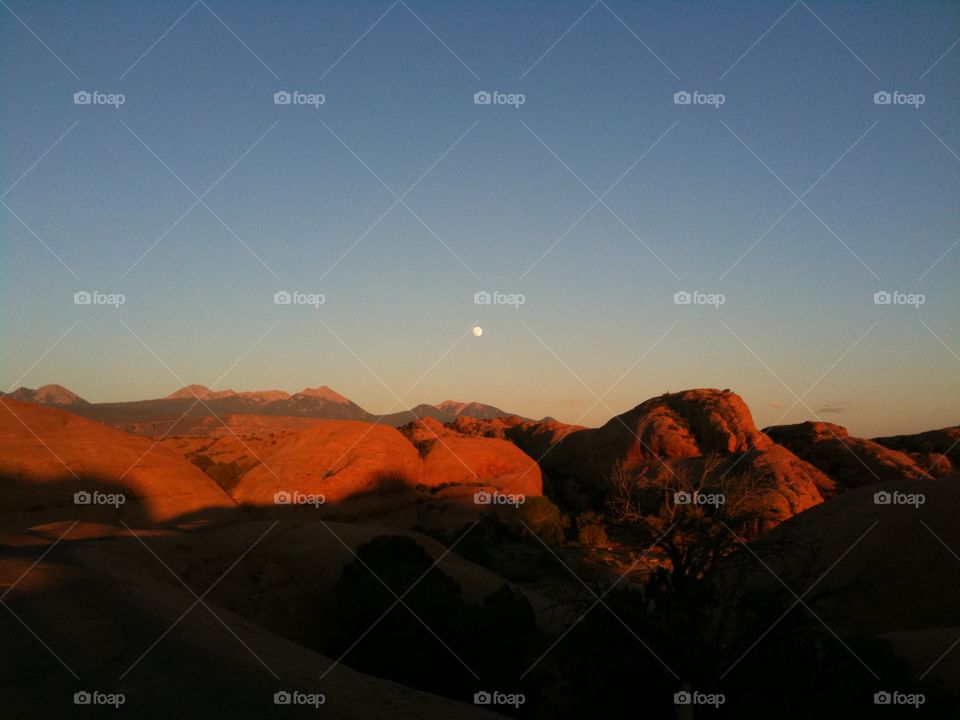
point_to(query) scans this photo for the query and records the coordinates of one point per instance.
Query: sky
(583, 197)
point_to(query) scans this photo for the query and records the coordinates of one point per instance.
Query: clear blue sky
(599, 80)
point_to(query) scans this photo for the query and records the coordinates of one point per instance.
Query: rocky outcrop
(937, 452)
(688, 423)
(454, 458)
(666, 435)
(670, 427)
(342, 460)
(851, 461)
(534, 437)
(338, 459)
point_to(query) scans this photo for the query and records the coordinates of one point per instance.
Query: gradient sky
(503, 185)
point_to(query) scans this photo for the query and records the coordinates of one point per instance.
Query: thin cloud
(834, 408)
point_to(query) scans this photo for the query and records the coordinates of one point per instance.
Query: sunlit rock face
(48, 455)
(452, 457)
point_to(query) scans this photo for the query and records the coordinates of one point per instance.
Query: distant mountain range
(193, 401)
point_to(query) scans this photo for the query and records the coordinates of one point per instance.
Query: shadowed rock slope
(130, 629)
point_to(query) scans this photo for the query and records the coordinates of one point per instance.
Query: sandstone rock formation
(534, 437)
(47, 455)
(937, 452)
(453, 458)
(338, 459)
(660, 437)
(851, 461)
(663, 435)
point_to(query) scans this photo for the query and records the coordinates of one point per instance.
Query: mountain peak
(48, 395)
(202, 392)
(453, 409)
(324, 393)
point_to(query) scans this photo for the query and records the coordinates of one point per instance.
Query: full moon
(478, 331)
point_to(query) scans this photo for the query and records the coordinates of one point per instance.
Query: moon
(477, 331)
